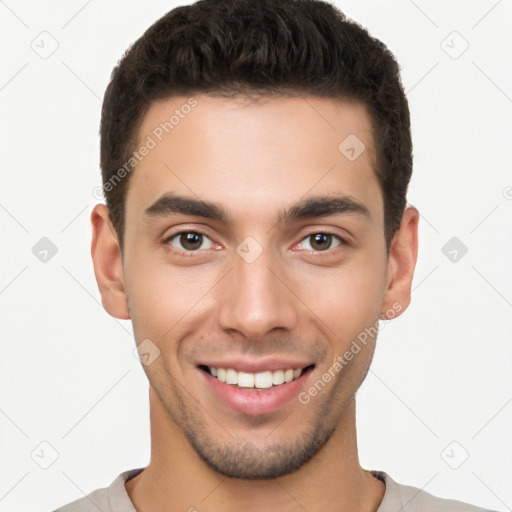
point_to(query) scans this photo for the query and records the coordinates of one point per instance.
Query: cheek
(347, 299)
(163, 297)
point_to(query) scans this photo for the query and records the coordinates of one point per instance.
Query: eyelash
(329, 251)
(186, 253)
(343, 242)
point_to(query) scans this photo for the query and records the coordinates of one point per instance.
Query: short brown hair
(261, 48)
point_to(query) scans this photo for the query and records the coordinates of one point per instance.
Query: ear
(108, 263)
(402, 256)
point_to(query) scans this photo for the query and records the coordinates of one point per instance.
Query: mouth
(255, 393)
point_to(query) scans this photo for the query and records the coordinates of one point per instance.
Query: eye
(190, 241)
(321, 241)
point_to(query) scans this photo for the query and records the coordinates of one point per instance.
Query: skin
(254, 160)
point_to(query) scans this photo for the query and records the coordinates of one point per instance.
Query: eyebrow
(170, 204)
(321, 206)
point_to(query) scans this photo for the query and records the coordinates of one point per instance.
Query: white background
(441, 372)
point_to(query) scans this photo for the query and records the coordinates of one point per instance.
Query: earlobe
(402, 258)
(108, 264)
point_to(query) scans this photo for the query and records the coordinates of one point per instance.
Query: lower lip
(252, 401)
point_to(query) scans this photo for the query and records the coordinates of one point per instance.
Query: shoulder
(97, 499)
(411, 499)
(109, 499)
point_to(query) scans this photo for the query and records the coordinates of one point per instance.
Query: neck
(176, 478)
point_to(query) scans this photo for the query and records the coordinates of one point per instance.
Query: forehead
(254, 157)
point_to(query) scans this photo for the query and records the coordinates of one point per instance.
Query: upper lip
(257, 365)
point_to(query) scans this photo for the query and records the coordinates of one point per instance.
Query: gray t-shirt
(397, 498)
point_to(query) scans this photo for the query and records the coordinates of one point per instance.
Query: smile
(260, 392)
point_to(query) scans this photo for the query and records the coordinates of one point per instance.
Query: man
(255, 160)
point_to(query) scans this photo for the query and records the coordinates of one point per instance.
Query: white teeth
(261, 380)
(277, 377)
(245, 380)
(231, 376)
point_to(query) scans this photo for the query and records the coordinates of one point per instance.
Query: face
(255, 253)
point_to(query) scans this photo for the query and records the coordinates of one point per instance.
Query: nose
(255, 298)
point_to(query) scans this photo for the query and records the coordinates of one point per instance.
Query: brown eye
(321, 241)
(190, 241)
